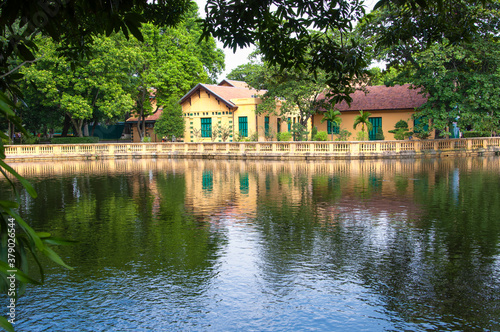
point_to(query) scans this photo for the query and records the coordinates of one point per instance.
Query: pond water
(200, 245)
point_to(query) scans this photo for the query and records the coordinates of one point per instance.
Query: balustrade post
(417, 146)
(111, 149)
(398, 147)
(354, 148)
(293, 147)
(273, 147)
(469, 144)
(201, 147)
(37, 150)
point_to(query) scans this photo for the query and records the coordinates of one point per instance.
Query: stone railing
(259, 150)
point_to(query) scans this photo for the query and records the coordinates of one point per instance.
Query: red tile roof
(384, 98)
(153, 117)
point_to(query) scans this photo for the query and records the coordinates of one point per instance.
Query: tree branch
(16, 68)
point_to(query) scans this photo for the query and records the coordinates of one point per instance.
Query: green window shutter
(289, 124)
(206, 127)
(376, 124)
(243, 126)
(332, 127)
(266, 126)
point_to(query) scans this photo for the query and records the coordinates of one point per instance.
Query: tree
(171, 122)
(451, 52)
(294, 35)
(333, 116)
(69, 23)
(97, 85)
(244, 72)
(170, 62)
(362, 119)
(288, 91)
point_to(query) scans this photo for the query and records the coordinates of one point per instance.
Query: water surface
(197, 245)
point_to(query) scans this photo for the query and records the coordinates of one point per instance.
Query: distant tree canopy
(119, 74)
(282, 30)
(449, 49)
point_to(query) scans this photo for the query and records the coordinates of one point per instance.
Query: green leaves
(362, 119)
(282, 29)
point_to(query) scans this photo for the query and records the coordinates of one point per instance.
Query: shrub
(401, 131)
(468, 134)
(74, 140)
(146, 140)
(362, 136)
(284, 136)
(30, 139)
(343, 135)
(321, 136)
(314, 132)
(379, 136)
(254, 137)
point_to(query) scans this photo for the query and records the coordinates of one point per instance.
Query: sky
(233, 60)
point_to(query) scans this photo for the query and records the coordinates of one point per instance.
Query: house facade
(228, 107)
(387, 106)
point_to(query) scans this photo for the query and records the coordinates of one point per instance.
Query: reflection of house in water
(236, 189)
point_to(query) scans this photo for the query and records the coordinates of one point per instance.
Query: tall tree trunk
(85, 128)
(77, 126)
(66, 125)
(93, 127)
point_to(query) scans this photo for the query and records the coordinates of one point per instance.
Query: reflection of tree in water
(121, 220)
(429, 260)
(419, 240)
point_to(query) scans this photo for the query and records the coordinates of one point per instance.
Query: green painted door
(376, 124)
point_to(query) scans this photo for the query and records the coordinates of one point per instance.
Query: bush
(362, 136)
(343, 135)
(30, 139)
(468, 134)
(379, 136)
(321, 136)
(146, 140)
(314, 132)
(401, 131)
(284, 136)
(74, 140)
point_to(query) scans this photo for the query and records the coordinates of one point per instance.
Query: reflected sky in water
(204, 245)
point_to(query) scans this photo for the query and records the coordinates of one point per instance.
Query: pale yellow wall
(205, 105)
(389, 120)
(149, 133)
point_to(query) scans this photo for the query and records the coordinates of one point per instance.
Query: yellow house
(387, 106)
(150, 123)
(228, 107)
